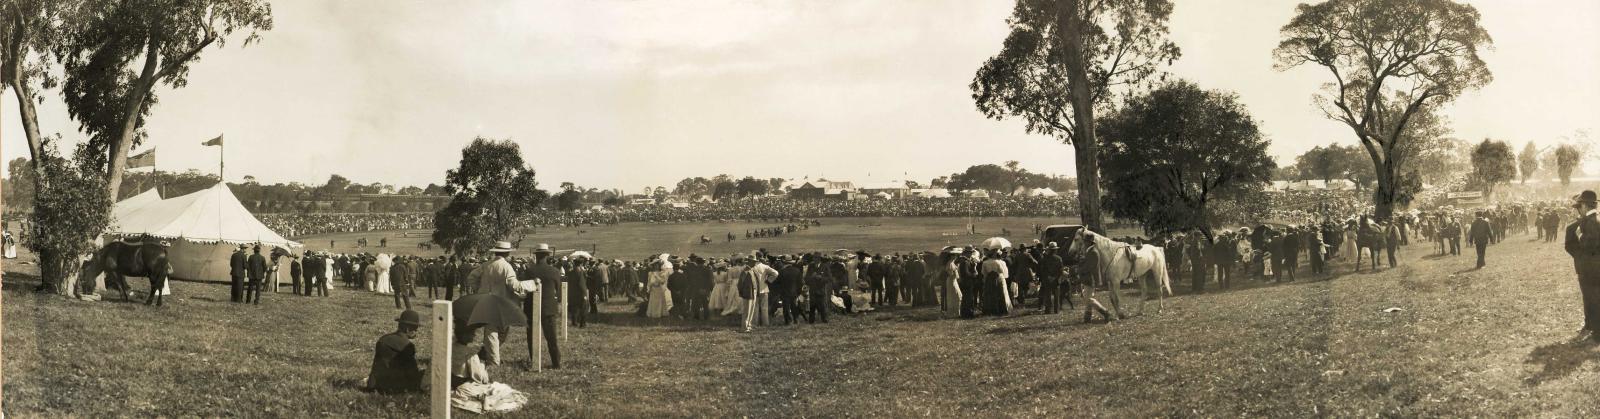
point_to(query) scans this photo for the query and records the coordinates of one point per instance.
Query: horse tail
(1161, 272)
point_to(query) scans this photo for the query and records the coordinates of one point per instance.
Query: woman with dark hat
(1583, 244)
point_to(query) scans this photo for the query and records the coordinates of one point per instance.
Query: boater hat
(501, 247)
(542, 248)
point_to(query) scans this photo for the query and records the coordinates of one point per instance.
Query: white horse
(1120, 261)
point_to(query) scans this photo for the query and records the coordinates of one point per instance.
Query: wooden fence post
(439, 371)
(564, 304)
(536, 333)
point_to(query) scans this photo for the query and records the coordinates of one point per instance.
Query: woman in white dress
(719, 288)
(660, 298)
(732, 304)
(383, 264)
(10, 246)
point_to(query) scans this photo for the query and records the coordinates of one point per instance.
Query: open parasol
(487, 309)
(995, 243)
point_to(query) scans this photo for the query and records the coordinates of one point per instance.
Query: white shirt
(764, 275)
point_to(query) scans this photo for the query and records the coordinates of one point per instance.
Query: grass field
(1487, 342)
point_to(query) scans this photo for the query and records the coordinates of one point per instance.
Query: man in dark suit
(237, 271)
(295, 271)
(1051, 268)
(257, 269)
(790, 278)
(548, 278)
(1583, 244)
(1480, 235)
(577, 293)
(700, 284)
(915, 280)
(819, 291)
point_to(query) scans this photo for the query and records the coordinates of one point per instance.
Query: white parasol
(995, 243)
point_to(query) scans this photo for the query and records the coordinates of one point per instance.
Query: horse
(1120, 261)
(119, 260)
(1369, 238)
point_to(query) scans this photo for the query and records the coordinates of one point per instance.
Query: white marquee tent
(203, 228)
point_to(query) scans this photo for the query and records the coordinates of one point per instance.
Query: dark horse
(119, 260)
(1369, 238)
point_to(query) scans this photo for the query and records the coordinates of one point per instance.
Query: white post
(439, 372)
(536, 333)
(564, 304)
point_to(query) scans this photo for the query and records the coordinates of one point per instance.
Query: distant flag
(145, 159)
(214, 141)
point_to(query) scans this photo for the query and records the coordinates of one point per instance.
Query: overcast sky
(625, 94)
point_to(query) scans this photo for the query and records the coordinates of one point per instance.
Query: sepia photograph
(800, 208)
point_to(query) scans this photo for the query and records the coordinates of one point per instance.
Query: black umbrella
(487, 309)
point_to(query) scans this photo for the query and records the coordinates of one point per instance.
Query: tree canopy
(1389, 61)
(1065, 58)
(1493, 163)
(1568, 157)
(1528, 161)
(491, 190)
(1171, 152)
(114, 54)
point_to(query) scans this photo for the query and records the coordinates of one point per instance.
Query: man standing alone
(1583, 243)
(547, 278)
(1480, 235)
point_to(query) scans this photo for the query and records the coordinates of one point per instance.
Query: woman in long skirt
(719, 289)
(660, 298)
(947, 276)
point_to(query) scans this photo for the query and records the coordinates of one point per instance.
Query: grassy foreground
(1467, 343)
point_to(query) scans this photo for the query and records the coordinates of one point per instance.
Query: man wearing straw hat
(540, 274)
(496, 276)
(1583, 243)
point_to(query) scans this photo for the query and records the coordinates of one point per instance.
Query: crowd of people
(762, 289)
(304, 224)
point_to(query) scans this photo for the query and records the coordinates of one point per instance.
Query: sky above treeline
(628, 94)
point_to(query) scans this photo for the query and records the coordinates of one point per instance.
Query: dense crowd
(304, 224)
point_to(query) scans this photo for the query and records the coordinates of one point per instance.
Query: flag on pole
(214, 141)
(145, 159)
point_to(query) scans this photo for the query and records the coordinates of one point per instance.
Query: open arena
(1491, 341)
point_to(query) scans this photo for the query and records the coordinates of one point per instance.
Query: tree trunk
(1384, 197)
(130, 123)
(1086, 147)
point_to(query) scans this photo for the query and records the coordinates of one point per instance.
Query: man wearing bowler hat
(394, 358)
(1583, 243)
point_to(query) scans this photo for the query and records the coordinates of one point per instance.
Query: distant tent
(978, 194)
(883, 195)
(1043, 192)
(202, 227)
(936, 193)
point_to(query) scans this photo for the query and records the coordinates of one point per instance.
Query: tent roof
(121, 209)
(1043, 192)
(209, 215)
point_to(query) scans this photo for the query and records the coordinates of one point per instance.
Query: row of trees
(1391, 66)
(1491, 162)
(1003, 179)
(720, 186)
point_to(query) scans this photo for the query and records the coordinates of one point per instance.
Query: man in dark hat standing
(257, 269)
(1583, 243)
(237, 271)
(1480, 235)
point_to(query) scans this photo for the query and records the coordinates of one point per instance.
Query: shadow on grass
(1560, 360)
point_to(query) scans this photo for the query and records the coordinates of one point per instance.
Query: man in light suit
(497, 277)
